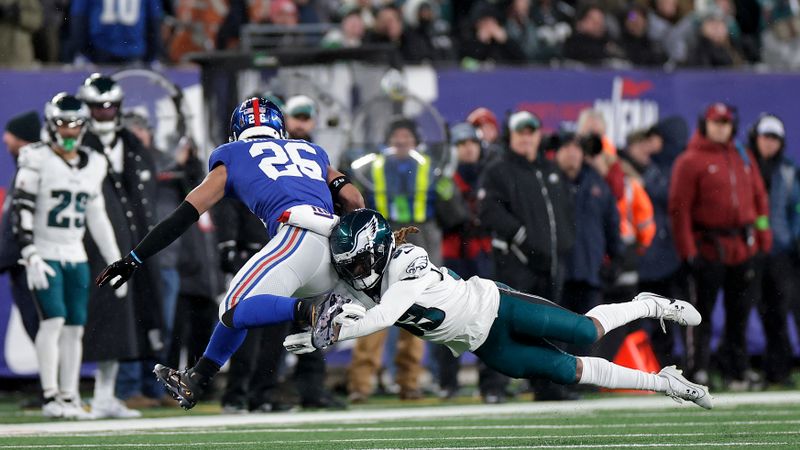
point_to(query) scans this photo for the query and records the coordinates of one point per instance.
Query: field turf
(770, 420)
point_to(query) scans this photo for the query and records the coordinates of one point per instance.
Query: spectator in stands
(526, 203)
(719, 227)
(552, 19)
(521, 29)
(596, 224)
(636, 43)
(592, 124)
(108, 33)
(767, 138)
(195, 27)
(466, 249)
(427, 31)
(713, 46)
(488, 41)
(590, 42)
(659, 265)
(350, 32)
(283, 12)
(390, 29)
(20, 131)
(781, 39)
(47, 39)
(671, 28)
(404, 191)
(19, 20)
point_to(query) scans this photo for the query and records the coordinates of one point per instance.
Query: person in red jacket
(720, 219)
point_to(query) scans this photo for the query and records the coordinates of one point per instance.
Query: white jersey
(428, 302)
(67, 195)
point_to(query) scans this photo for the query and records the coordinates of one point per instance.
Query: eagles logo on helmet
(361, 246)
(65, 110)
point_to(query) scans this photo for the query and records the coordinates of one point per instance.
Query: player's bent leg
(670, 381)
(532, 316)
(645, 305)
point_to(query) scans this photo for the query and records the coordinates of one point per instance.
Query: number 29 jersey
(63, 194)
(272, 175)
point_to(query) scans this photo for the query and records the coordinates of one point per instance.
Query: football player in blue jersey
(290, 186)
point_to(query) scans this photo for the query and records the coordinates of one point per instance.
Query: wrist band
(135, 258)
(337, 184)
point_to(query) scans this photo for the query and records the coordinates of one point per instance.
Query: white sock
(105, 379)
(46, 343)
(615, 315)
(70, 348)
(603, 373)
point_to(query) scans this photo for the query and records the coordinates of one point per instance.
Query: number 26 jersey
(272, 175)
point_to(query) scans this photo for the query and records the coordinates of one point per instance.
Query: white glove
(37, 271)
(122, 291)
(351, 313)
(299, 343)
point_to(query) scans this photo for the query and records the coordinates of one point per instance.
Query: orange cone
(636, 353)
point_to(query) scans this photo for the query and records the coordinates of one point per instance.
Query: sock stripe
(243, 279)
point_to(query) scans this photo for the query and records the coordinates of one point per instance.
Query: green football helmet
(361, 246)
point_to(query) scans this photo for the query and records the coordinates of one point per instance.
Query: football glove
(351, 313)
(37, 272)
(299, 343)
(117, 272)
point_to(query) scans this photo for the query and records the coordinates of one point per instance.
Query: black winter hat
(25, 126)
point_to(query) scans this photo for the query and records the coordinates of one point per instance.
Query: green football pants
(518, 344)
(68, 294)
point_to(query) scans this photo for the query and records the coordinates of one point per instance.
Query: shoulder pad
(218, 156)
(408, 262)
(32, 155)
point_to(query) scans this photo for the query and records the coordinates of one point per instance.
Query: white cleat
(682, 389)
(52, 408)
(72, 408)
(113, 408)
(665, 308)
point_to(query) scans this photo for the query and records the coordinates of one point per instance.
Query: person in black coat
(122, 330)
(20, 131)
(590, 42)
(596, 226)
(637, 45)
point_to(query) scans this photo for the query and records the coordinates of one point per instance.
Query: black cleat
(185, 386)
(322, 335)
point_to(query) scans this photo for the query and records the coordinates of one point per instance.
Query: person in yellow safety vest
(405, 191)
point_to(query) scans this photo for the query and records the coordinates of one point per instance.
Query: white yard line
(261, 443)
(189, 421)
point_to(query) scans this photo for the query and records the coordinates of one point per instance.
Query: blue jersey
(118, 27)
(272, 175)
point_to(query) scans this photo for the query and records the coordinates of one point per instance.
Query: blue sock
(263, 309)
(223, 343)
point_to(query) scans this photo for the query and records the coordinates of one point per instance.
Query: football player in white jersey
(57, 194)
(507, 329)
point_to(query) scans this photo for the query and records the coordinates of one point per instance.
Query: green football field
(770, 420)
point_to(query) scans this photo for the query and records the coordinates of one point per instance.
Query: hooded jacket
(718, 204)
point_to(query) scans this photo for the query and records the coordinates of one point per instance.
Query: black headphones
(752, 132)
(701, 120)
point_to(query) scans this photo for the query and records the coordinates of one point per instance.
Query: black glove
(123, 269)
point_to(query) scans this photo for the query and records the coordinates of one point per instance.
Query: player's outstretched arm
(343, 191)
(200, 200)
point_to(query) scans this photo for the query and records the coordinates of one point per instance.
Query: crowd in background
(651, 33)
(684, 210)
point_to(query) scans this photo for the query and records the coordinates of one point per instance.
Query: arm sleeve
(682, 193)
(26, 187)
(495, 204)
(394, 303)
(169, 229)
(101, 230)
